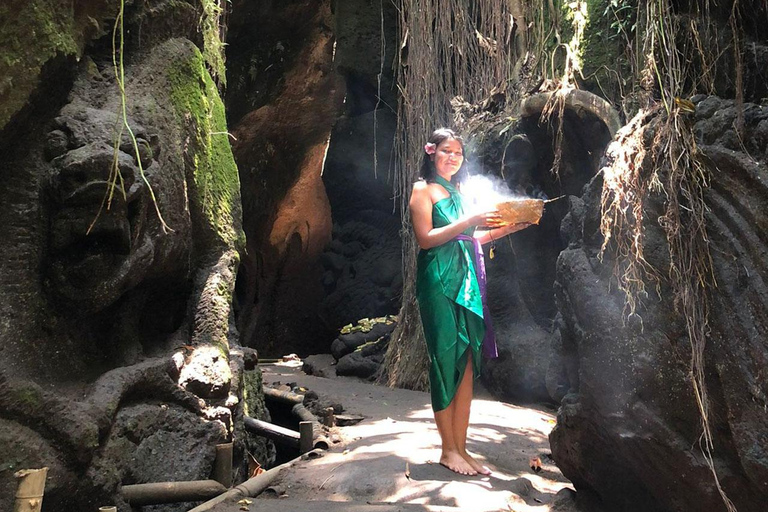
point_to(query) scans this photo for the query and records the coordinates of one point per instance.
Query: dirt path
(389, 456)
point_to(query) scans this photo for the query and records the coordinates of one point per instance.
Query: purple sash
(489, 340)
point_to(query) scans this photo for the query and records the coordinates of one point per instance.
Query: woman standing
(449, 277)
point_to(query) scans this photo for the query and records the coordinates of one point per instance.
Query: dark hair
(428, 170)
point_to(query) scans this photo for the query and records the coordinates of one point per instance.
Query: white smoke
(483, 193)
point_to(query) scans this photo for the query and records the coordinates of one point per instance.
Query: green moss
(217, 184)
(34, 32)
(599, 51)
(253, 395)
(549, 44)
(240, 243)
(552, 49)
(29, 398)
(610, 23)
(213, 47)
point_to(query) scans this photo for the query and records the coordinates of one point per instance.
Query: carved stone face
(98, 241)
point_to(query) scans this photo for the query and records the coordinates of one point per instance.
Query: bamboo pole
(29, 494)
(282, 396)
(222, 465)
(318, 435)
(171, 492)
(305, 436)
(271, 431)
(251, 487)
(303, 413)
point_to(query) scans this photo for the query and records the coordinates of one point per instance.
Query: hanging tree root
(671, 166)
(454, 49)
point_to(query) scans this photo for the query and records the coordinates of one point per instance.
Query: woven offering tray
(521, 210)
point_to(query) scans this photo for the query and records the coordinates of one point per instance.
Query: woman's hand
(490, 219)
(504, 230)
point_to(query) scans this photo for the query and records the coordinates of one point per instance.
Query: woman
(448, 291)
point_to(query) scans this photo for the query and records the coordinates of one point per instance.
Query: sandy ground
(390, 457)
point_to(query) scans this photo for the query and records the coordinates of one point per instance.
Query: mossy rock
(262, 449)
(41, 31)
(216, 181)
(603, 60)
(253, 395)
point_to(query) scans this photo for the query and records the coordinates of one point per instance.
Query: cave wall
(517, 156)
(362, 265)
(280, 148)
(117, 334)
(629, 429)
(323, 244)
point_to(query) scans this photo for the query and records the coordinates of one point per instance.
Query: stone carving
(521, 277)
(117, 334)
(97, 253)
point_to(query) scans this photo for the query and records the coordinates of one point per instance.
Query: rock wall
(313, 145)
(629, 429)
(117, 333)
(362, 265)
(522, 274)
(280, 146)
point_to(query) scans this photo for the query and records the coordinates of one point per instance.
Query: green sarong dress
(451, 306)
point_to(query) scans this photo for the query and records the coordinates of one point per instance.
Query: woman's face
(448, 157)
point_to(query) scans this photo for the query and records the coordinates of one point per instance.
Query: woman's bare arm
(427, 235)
(495, 234)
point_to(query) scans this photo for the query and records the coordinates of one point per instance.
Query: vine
(213, 38)
(122, 125)
(213, 54)
(577, 13)
(449, 49)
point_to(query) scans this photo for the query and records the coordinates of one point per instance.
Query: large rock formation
(117, 328)
(629, 428)
(362, 264)
(280, 146)
(313, 143)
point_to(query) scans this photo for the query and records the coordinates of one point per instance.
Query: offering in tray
(521, 210)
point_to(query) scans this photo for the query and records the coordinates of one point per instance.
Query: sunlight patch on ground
(287, 363)
(474, 495)
(486, 433)
(392, 455)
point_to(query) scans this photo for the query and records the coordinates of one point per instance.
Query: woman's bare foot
(483, 470)
(456, 463)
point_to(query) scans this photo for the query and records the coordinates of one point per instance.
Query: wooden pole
(108, 509)
(171, 492)
(318, 435)
(283, 396)
(305, 436)
(251, 487)
(303, 413)
(29, 494)
(276, 433)
(222, 465)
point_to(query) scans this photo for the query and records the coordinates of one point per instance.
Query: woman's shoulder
(422, 187)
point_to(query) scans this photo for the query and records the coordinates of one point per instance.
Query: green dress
(451, 306)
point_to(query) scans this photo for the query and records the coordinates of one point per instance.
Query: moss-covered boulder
(116, 302)
(39, 33)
